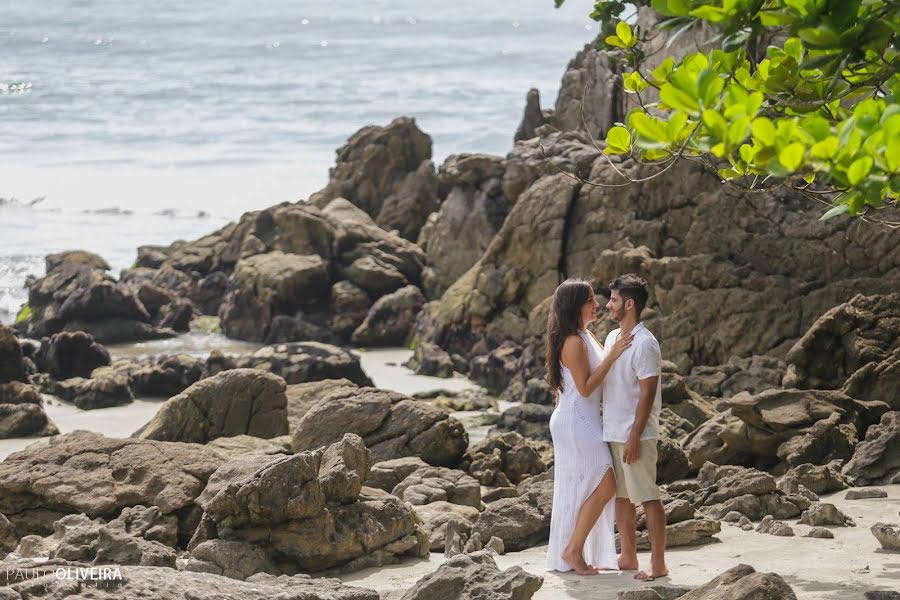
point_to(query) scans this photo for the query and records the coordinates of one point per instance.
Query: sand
(818, 569)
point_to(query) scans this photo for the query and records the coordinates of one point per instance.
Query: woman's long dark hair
(564, 320)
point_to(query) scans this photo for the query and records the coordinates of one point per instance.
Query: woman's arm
(575, 357)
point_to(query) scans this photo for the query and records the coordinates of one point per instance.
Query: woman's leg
(590, 511)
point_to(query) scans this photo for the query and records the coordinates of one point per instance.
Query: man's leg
(626, 522)
(656, 526)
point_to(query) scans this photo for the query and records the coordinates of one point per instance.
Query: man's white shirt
(621, 390)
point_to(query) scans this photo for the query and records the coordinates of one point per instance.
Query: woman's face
(589, 310)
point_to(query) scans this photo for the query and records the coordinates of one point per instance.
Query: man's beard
(616, 316)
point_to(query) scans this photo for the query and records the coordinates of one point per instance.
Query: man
(632, 400)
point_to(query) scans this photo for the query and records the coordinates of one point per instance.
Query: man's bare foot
(576, 561)
(651, 573)
(628, 563)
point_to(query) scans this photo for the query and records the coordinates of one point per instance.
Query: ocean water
(128, 122)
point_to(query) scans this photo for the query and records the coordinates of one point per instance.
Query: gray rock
(236, 560)
(876, 460)
(390, 320)
(823, 513)
(655, 592)
(385, 475)
(429, 359)
(22, 412)
(887, 534)
(523, 521)
(87, 394)
(692, 532)
(865, 494)
(772, 527)
(819, 532)
(303, 362)
(71, 354)
(432, 484)
(435, 517)
(475, 576)
(743, 581)
(504, 458)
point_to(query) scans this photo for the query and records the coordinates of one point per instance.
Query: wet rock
(162, 376)
(387, 172)
(349, 307)
(887, 534)
(743, 581)
(436, 515)
(176, 315)
(390, 320)
(300, 328)
(865, 494)
(391, 424)
(429, 359)
(88, 394)
(876, 460)
(22, 412)
(52, 262)
(433, 484)
(530, 420)
(523, 521)
(236, 402)
(819, 532)
(71, 354)
(772, 527)
(501, 459)
(825, 514)
(99, 476)
(385, 475)
(302, 362)
(12, 367)
(496, 369)
(476, 575)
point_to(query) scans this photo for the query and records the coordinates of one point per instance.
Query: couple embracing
(604, 430)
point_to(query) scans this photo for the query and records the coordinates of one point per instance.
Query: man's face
(615, 306)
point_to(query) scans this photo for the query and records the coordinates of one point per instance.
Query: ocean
(126, 123)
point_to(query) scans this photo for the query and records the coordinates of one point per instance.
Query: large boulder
(504, 458)
(429, 359)
(308, 512)
(302, 362)
(390, 320)
(22, 412)
(88, 394)
(753, 374)
(436, 516)
(385, 475)
(523, 521)
(877, 458)
(530, 420)
(475, 576)
(855, 346)
(437, 484)
(267, 285)
(749, 492)
(88, 473)
(161, 376)
(52, 262)
(71, 354)
(235, 402)
(303, 396)
(12, 367)
(387, 172)
(392, 425)
(743, 582)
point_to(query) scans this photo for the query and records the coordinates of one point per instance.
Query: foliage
(796, 93)
(24, 314)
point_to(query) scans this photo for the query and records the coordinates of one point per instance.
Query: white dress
(581, 460)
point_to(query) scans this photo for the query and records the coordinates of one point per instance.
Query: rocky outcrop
(52, 262)
(387, 172)
(753, 374)
(530, 420)
(743, 581)
(302, 362)
(391, 424)
(504, 459)
(854, 347)
(385, 475)
(877, 458)
(88, 394)
(308, 512)
(236, 402)
(429, 359)
(99, 476)
(349, 308)
(439, 484)
(436, 517)
(475, 575)
(532, 118)
(12, 365)
(21, 406)
(523, 521)
(71, 354)
(161, 376)
(303, 396)
(819, 479)
(390, 320)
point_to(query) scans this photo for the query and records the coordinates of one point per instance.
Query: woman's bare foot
(576, 561)
(628, 563)
(651, 573)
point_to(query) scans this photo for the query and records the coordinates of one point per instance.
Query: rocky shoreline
(259, 467)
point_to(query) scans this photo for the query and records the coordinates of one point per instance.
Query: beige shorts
(636, 481)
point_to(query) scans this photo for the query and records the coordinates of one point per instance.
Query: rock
(587, 97)
(71, 354)
(267, 285)
(747, 491)
(217, 362)
(304, 517)
(705, 444)
(387, 172)
(303, 396)
(385, 475)
(887, 534)
(436, 515)
(236, 402)
(865, 494)
(495, 544)
(495, 370)
(349, 308)
(876, 460)
(677, 510)
(819, 479)
(471, 576)
(391, 424)
(429, 359)
(523, 521)
(88, 394)
(8, 538)
(529, 420)
(882, 595)
(819, 532)
(241, 445)
(176, 315)
(692, 532)
(88, 473)
(473, 544)
(820, 514)
(301, 327)
(161, 376)
(655, 592)
(741, 582)
(454, 540)
(753, 374)
(236, 560)
(772, 527)
(533, 117)
(135, 582)
(302, 362)
(375, 276)
(433, 484)
(22, 412)
(390, 320)
(52, 262)
(862, 343)
(671, 461)
(501, 459)
(12, 367)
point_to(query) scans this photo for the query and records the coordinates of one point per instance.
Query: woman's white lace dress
(581, 460)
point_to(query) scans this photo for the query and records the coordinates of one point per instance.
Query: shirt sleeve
(647, 359)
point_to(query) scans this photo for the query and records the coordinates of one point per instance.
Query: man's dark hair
(634, 287)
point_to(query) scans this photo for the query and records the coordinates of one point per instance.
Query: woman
(581, 525)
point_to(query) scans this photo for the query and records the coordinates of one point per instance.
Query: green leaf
(713, 14)
(840, 209)
(649, 127)
(716, 124)
(774, 18)
(678, 99)
(623, 31)
(793, 48)
(618, 139)
(859, 169)
(763, 131)
(826, 149)
(671, 8)
(791, 156)
(819, 37)
(24, 314)
(661, 73)
(676, 126)
(613, 40)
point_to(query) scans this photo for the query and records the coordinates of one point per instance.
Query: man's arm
(632, 450)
